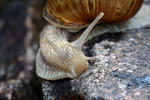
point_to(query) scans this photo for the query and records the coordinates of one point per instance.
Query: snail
(58, 58)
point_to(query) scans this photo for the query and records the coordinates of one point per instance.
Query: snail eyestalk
(91, 58)
(80, 41)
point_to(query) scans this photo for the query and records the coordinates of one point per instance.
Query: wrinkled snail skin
(58, 58)
(74, 14)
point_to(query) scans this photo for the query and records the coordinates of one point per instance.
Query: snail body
(74, 14)
(51, 65)
(58, 58)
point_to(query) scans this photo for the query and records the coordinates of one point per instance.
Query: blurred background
(20, 24)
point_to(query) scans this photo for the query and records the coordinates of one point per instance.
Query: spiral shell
(79, 13)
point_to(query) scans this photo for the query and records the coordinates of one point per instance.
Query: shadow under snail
(58, 58)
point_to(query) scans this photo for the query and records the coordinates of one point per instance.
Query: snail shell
(58, 58)
(76, 14)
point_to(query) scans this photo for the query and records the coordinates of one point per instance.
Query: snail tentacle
(91, 58)
(80, 41)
